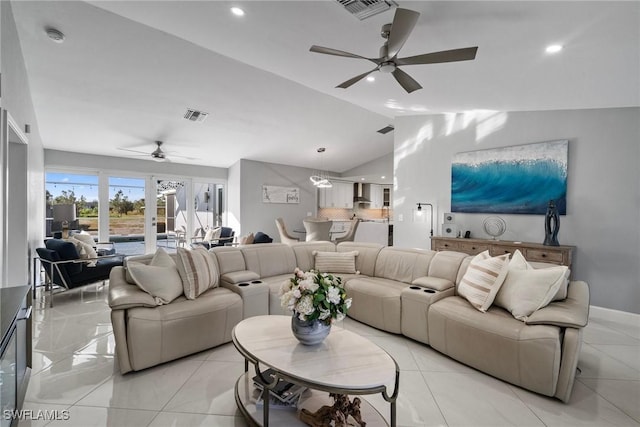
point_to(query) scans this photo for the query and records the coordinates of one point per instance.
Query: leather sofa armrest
(572, 312)
(433, 283)
(123, 295)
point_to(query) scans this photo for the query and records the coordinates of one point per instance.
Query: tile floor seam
(435, 400)
(612, 357)
(608, 400)
(183, 384)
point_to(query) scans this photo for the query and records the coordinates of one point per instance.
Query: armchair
(219, 237)
(285, 237)
(351, 233)
(64, 268)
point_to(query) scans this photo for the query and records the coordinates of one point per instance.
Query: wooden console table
(561, 255)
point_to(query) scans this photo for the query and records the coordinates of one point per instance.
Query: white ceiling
(128, 70)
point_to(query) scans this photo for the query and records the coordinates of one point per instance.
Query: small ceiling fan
(396, 34)
(158, 154)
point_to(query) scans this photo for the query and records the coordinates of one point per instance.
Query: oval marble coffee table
(345, 363)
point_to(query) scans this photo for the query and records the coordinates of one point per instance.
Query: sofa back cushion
(303, 252)
(403, 265)
(229, 259)
(269, 259)
(446, 264)
(367, 255)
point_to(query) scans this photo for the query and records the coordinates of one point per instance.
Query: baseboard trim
(613, 315)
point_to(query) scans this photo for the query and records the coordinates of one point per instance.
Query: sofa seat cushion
(376, 302)
(167, 332)
(496, 343)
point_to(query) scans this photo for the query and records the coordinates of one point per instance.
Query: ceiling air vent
(195, 116)
(386, 129)
(363, 9)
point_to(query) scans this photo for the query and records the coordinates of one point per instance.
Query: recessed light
(237, 11)
(361, 179)
(382, 177)
(371, 79)
(554, 48)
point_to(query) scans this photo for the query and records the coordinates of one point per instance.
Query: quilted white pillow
(159, 278)
(526, 289)
(212, 234)
(335, 262)
(483, 279)
(86, 238)
(197, 270)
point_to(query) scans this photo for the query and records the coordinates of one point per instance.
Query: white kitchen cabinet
(338, 196)
(376, 196)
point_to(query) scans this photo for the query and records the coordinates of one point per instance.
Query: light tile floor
(75, 370)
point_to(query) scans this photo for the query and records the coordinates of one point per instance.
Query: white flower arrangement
(314, 295)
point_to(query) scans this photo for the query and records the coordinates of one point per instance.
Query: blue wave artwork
(515, 180)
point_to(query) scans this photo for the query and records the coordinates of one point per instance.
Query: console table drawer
(497, 250)
(543, 256)
(445, 246)
(471, 248)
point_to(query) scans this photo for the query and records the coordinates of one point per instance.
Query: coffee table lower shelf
(311, 400)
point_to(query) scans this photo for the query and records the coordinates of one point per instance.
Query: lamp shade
(64, 212)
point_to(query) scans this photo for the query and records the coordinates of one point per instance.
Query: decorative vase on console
(551, 225)
(316, 300)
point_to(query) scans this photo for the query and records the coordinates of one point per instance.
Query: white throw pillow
(212, 234)
(198, 271)
(483, 279)
(86, 238)
(518, 262)
(526, 289)
(85, 250)
(335, 262)
(159, 278)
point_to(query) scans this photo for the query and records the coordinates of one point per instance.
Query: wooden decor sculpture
(341, 410)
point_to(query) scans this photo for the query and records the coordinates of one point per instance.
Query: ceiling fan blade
(406, 81)
(403, 22)
(355, 79)
(336, 52)
(464, 54)
(146, 153)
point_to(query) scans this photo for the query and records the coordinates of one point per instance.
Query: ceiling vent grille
(363, 9)
(386, 129)
(195, 116)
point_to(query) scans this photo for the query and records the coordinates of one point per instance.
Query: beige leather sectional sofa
(402, 291)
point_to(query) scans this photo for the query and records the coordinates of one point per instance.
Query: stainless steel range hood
(359, 193)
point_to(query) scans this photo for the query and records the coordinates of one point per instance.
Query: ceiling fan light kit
(396, 34)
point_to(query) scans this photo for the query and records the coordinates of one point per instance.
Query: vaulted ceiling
(128, 71)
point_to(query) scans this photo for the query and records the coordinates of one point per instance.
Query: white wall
(233, 199)
(603, 194)
(375, 169)
(16, 99)
(258, 216)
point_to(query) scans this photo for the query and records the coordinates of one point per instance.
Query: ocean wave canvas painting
(519, 179)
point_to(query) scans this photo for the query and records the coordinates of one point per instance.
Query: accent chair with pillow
(64, 265)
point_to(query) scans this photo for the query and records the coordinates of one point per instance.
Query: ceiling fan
(396, 34)
(158, 154)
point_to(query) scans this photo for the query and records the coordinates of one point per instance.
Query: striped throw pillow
(335, 262)
(482, 281)
(197, 270)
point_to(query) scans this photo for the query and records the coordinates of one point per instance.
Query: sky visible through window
(87, 185)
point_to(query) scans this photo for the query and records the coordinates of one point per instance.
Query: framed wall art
(519, 179)
(275, 194)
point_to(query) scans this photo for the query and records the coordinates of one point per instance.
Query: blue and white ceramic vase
(309, 332)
